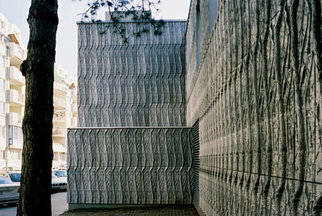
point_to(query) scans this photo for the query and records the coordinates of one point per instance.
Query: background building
(65, 113)
(12, 95)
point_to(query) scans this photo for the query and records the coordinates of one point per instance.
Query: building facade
(65, 114)
(12, 96)
(252, 86)
(131, 146)
(252, 104)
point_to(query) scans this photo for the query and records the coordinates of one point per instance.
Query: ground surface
(58, 203)
(155, 211)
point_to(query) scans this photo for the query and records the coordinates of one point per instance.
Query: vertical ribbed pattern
(130, 166)
(141, 83)
(196, 162)
(257, 97)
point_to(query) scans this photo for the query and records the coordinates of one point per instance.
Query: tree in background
(38, 70)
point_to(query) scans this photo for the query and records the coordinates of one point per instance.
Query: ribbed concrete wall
(257, 96)
(136, 84)
(141, 83)
(130, 166)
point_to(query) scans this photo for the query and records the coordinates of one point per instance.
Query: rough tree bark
(38, 70)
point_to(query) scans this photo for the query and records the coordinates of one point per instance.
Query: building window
(15, 154)
(15, 135)
(55, 156)
(63, 156)
(212, 13)
(8, 51)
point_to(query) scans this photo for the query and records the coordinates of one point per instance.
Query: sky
(69, 12)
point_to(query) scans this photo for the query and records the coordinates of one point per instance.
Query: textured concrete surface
(249, 103)
(141, 83)
(130, 166)
(171, 210)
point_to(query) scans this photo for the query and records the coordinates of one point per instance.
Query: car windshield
(15, 177)
(61, 173)
(4, 180)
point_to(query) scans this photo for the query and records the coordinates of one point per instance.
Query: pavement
(170, 210)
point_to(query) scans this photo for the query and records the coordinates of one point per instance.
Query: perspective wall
(257, 96)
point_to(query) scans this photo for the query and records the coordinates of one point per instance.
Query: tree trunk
(38, 69)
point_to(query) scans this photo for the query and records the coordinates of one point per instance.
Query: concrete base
(198, 209)
(107, 206)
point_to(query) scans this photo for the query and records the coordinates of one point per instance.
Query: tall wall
(257, 96)
(131, 147)
(136, 84)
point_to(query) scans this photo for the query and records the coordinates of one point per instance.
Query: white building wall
(12, 94)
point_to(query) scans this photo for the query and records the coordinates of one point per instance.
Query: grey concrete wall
(136, 84)
(257, 95)
(131, 85)
(129, 166)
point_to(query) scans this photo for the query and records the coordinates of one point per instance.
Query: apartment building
(12, 94)
(65, 113)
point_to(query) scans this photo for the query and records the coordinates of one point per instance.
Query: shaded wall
(130, 166)
(136, 84)
(257, 96)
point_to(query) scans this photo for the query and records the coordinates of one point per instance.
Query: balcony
(14, 98)
(17, 54)
(57, 132)
(60, 88)
(59, 103)
(14, 119)
(58, 147)
(59, 118)
(16, 76)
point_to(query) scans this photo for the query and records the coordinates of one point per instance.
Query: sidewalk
(172, 210)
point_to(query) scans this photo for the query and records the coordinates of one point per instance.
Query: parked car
(61, 174)
(58, 183)
(9, 193)
(12, 175)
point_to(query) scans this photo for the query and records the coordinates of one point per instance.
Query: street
(58, 205)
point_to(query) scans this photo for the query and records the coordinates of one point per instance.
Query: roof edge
(127, 21)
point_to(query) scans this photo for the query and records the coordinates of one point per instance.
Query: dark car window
(4, 180)
(61, 173)
(15, 177)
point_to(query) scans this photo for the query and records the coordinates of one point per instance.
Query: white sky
(16, 12)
